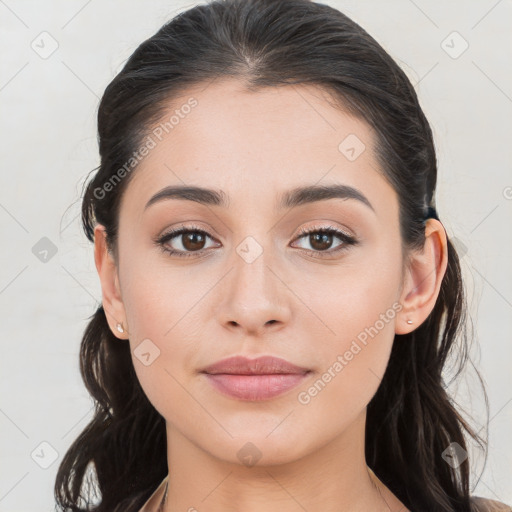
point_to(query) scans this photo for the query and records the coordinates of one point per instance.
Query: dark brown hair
(411, 420)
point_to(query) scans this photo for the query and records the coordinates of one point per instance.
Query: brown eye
(193, 241)
(184, 241)
(322, 239)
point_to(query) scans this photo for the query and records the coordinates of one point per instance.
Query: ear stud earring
(120, 328)
(409, 321)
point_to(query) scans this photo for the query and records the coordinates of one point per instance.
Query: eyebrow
(290, 199)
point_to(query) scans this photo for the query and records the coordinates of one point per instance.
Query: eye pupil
(325, 240)
(196, 239)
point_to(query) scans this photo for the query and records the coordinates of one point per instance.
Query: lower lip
(255, 387)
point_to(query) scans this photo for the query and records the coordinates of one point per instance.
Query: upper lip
(264, 365)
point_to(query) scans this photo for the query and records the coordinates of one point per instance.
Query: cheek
(166, 321)
(353, 363)
(344, 303)
(157, 294)
(356, 311)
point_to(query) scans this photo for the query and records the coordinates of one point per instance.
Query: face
(248, 282)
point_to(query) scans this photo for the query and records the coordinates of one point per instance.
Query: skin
(198, 310)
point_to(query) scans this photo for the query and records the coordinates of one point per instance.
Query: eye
(190, 238)
(321, 239)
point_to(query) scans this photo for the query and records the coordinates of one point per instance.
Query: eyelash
(347, 240)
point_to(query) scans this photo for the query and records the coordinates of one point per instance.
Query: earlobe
(110, 289)
(425, 274)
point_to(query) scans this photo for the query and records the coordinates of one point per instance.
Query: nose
(254, 297)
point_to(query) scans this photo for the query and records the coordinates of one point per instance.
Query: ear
(423, 278)
(111, 292)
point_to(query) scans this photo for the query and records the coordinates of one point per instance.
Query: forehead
(255, 145)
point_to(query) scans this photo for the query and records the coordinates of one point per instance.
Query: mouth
(255, 387)
(254, 379)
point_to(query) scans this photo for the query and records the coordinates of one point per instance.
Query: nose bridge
(252, 277)
(254, 296)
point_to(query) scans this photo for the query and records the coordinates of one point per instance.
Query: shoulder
(155, 499)
(487, 505)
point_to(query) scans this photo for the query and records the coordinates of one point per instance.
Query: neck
(330, 478)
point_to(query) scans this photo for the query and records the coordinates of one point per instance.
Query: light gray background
(48, 145)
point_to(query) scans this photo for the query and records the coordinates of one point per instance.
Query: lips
(254, 379)
(264, 365)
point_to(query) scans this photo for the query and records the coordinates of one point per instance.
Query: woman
(279, 294)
